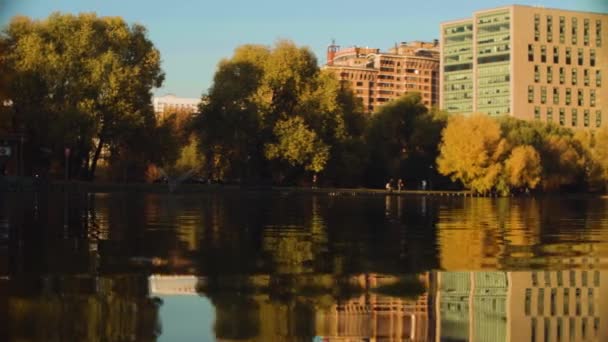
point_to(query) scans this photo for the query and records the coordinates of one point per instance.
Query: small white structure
(171, 102)
(174, 284)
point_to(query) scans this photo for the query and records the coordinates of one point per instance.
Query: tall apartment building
(377, 77)
(528, 62)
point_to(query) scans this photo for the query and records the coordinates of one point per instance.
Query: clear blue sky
(193, 36)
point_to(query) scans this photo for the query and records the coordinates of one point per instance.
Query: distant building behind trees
(170, 102)
(378, 77)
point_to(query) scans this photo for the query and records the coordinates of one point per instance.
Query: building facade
(378, 77)
(171, 102)
(532, 63)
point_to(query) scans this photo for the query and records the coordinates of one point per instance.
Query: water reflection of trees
(57, 288)
(278, 266)
(520, 233)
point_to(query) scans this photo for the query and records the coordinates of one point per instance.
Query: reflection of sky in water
(186, 318)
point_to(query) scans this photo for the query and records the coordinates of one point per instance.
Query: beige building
(377, 77)
(533, 63)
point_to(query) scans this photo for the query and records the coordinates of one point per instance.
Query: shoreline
(29, 185)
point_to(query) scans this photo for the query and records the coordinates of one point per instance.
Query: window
(574, 117)
(577, 292)
(598, 118)
(536, 27)
(550, 28)
(562, 30)
(586, 124)
(530, 94)
(553, 301)
(543, 54)
(574, 30)
(580, 97)
(574, 76)
(540, 310)
(598, 78)
(555, 54)
(530, 53)
(561, 75)
(562, 121)
(598, 33)
(592, 57)
(555, 95)
(549, 114)
(549, 74)
(537, 113)
(572, 278)
(581, 54)
(568, 96)
(586, 77)
(568, 56)
(528, 302)
(536, 73)
(591, 309)
(543, 95)
(592, 97)
(586, 32)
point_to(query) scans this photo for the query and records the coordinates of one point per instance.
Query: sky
(193, 36)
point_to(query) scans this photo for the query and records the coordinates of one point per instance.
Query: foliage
(522, 168)
(81, 82)
(403, 137)
(298, 145)
(471, 151)
(550, 157)
(259, 98)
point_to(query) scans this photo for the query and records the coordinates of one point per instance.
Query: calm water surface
(249, 266)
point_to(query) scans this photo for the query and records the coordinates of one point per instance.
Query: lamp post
(66, 152)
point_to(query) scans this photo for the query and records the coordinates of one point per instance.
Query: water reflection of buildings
(378, 317)
(561, 305)
(556, 305)
(370, 315)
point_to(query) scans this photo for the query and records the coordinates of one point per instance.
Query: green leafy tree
(259, 96)
(82, 82)
(298, 145)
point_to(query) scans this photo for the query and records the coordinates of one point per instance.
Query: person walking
(400, 185)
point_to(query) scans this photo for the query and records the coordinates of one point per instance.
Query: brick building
(377, 77)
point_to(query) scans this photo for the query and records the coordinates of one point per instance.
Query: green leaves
(82, 78)
(298, 145)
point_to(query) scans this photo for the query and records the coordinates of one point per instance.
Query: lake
(281, 266)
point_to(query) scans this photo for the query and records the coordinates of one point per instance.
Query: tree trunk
(96, 158)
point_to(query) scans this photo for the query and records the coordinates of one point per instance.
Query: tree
(82, 82)
(298, 145)
(403, 137)
(262, 94)
(471, 151)
(522, 168)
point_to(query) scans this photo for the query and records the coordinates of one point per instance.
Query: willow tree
(82, 82)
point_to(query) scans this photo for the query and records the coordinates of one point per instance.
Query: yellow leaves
(523, 168)
(471, 150)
